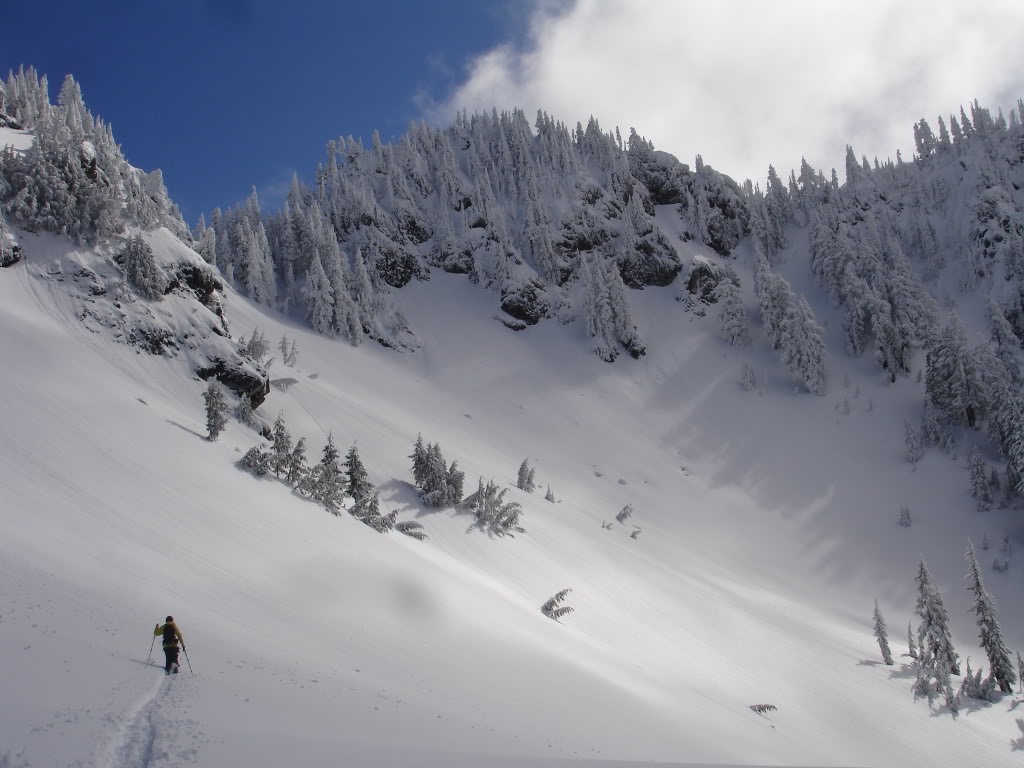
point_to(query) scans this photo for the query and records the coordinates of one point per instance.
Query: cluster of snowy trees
(334, 483)
(530, 213)
(935, 658)
(74, 180)
(440, 484)
(879, 241)
(789, 324)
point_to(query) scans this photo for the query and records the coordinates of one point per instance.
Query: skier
(172, 636)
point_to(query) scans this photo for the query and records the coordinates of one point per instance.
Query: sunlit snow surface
(768, 525)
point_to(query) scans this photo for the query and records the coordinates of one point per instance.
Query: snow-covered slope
(768, 525)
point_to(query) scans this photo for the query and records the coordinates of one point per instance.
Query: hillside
(767, 518)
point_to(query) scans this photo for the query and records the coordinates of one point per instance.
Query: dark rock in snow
(703, 280)
(240, 376)
(527, 303)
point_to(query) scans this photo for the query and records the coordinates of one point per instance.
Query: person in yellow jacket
(172, 636)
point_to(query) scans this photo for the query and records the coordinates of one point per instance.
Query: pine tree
(319, 297)
(732, 316)
(912, 442)
(625, 513)
(551, 607)
(245, 412)
(293, 354)
(297, 469)
(980, 488)
(358, 484)
(525, 480)
(549, 496)
(911, 648)
(881, 636)
(803, 346)
(419, 462)
(324, 482)
(282, 447)
(936, 641)
(140, 268)
(216, 408)
(1000, 664)
(1020, 671)
(283, 346)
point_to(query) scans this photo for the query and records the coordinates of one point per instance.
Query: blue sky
(226, 94)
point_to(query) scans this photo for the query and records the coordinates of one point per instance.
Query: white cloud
(748, 83)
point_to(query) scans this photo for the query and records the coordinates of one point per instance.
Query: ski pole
(187, 659)
(151, 644)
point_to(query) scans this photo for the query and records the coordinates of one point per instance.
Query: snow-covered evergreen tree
(357, 479)
(881, 636)
(419, 462)
(549, 496)
(935, 639)
(282, 453)
(980, 488)
(245, 412)
(912, 442)
(140, 268)
(492, 512)
(911, 646)
(553, 607)
(525, 481)
(732, 314)
(216, 408)
(297, 467)
(324, 481)
(991, 634)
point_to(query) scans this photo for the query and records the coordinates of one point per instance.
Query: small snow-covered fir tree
(246, 415)
(293, 354)
(297, 468)
(748, 378)
(216, 408)
(549, 496)
(282, 453)
(412, 529)
(981, 490)
(732, 314)
(625, 513)
(525, 481)
(974, 687)
(553, 608)
(492, 512)
(324, 481)
(256, 348)
(989, 630)
(357, 484)
(911, 647)
(912, 442)
(257, 460)
(141, 269)
(1020, 671)
(905, 519)
(881, 636)
(419, 462)
(936, 640)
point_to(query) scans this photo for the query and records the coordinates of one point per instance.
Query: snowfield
(768, 524)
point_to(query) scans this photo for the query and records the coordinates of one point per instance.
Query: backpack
(170, 638)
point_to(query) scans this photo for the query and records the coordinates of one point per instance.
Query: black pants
(171, 655)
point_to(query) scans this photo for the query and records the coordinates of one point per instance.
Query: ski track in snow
(149, 735)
